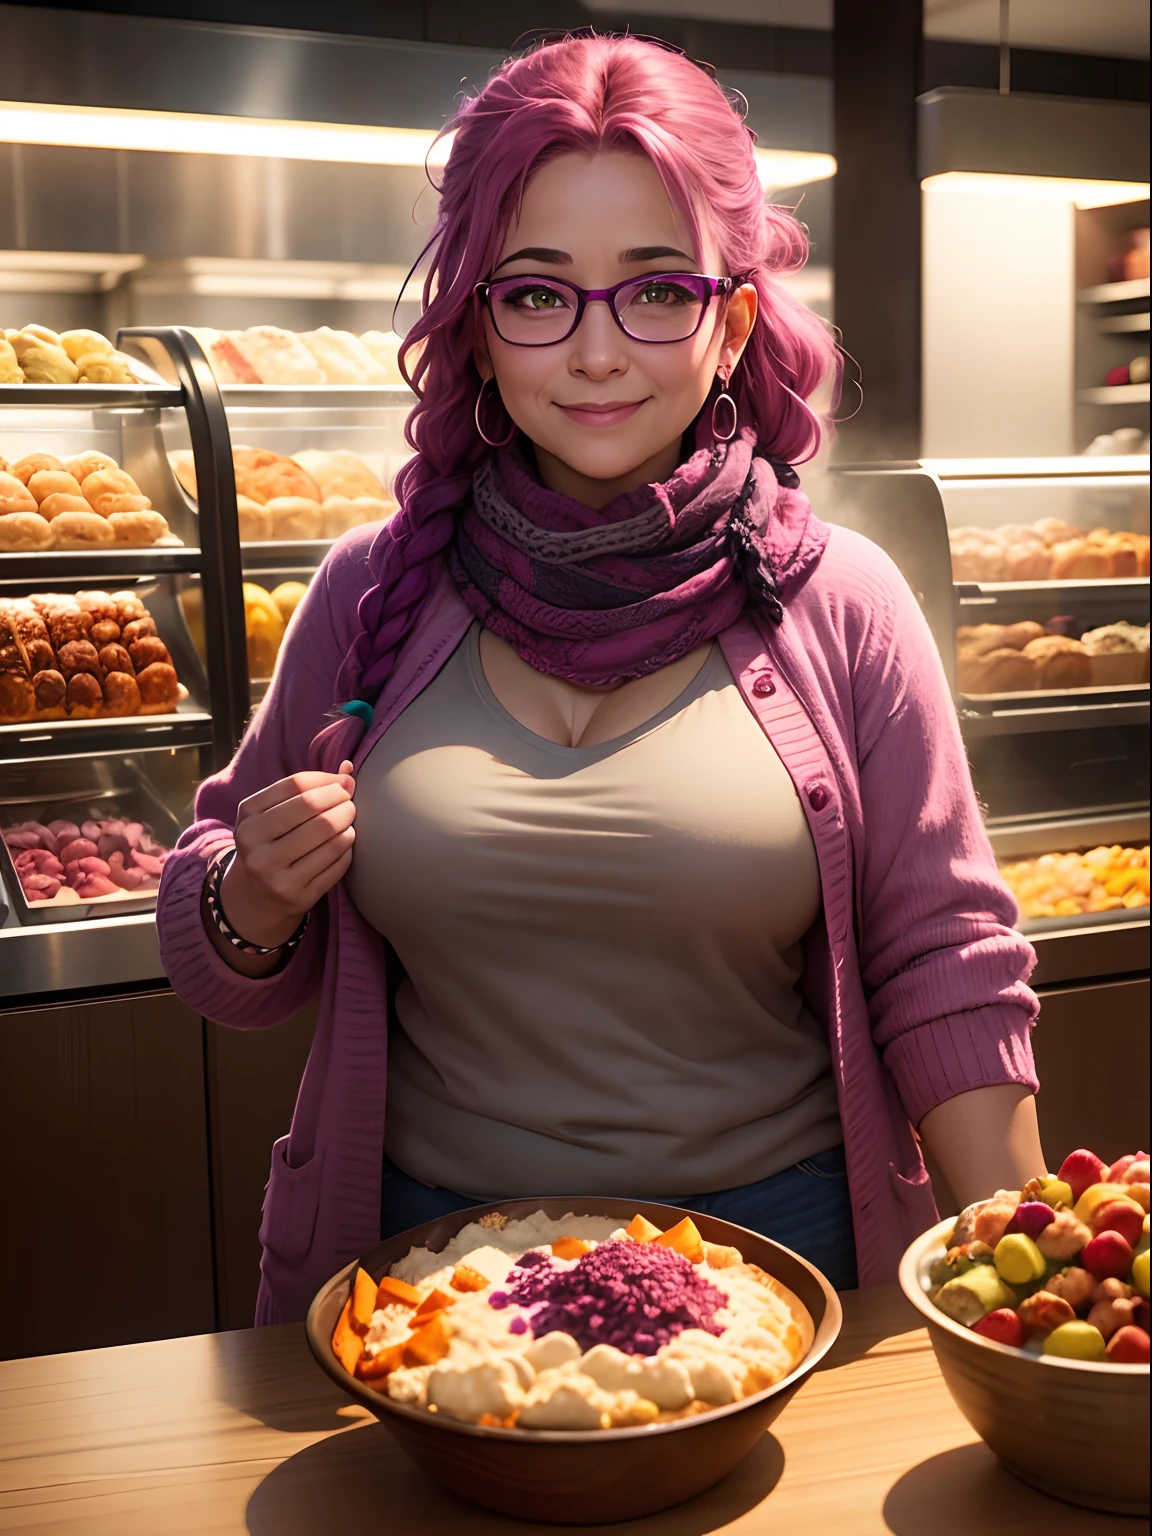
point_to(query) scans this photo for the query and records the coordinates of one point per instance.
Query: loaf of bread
(1002, 670)
(1060, 662)
(80, 656)
(1047, 550)
(1118, 654)
(343, 358)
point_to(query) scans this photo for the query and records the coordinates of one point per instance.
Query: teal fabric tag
(358, 707)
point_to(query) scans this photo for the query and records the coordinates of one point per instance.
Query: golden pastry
(15, 495)
(159, 688)
(254, 520)
(339, 474)
(80, 344)
(84, 696)
(385, 348)
(86, 464)
(129, 608)
(287, 597)
(42, 332)
(998, 671)
(146, 649)
(114, 658)
(282, 478)
(49, 687)
(17, 697)
(1077, 560)
(139, 528)
(132, 631)
(10, 369)
(81, 530)
(264, 629)
(103, 632)
(53, 482)
(99, 604)
(78, 656)
(43, 364)
(343, 357)
(975, 639)
(62, 501)
(1018, 636)
(245, 463)
(1060, 661)
(24, 530)
(121, 694)
(294, 517)
(32, 463)
(102, 368)
(106, 488)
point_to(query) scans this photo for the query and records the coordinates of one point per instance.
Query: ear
(739, 319)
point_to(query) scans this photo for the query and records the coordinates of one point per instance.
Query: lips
(610, 414)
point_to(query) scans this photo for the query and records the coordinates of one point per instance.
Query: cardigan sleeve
(943, 966)
(274, 746)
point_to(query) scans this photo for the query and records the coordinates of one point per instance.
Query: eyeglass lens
(539, 312)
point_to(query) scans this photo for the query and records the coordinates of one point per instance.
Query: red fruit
(1141, 1316)
(1080, 1169)
(1108, 1257)
(1128, 1346)
(1123, 1216)
(1002, 1326)
(1120, 1167)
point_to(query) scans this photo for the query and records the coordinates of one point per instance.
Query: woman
(634, 787)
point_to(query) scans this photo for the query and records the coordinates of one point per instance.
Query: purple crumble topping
(634, 1296)
(499, 1300)
(518, 1325)
(532, 1258)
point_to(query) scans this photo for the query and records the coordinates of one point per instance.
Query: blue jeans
(805, 1207)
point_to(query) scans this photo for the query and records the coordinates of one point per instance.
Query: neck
(591, 492)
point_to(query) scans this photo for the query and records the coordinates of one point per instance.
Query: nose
(598, 346)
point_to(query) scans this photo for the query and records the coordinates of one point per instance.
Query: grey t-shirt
(601, 947)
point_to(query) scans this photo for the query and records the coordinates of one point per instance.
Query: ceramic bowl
(578, 1477)
(1076, 1429)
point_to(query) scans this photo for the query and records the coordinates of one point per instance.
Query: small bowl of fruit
(1036, 1302)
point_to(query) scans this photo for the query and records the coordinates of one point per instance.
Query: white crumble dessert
(572, 1324)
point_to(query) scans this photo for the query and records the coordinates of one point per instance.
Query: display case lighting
(1084, 194)
(1089, 467)
(194, 133)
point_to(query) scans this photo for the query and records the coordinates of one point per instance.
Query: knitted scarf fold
(601, 596)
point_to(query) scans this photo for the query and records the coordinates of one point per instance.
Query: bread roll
(84, 697)
(975, 639)
(121, 694)
(24, 530)
(343, 357)
(53, 482)
(999, 671)
(1054, 530)
(43, 364)
(255, 521)
(159, 688)
(1077, 560)
(137, 529)
(104, 368)
(42, 332)
(294, 517)
(15, 495)
(81, 530)
(86, 464)
(288, 597)
(32, 463)
(10, 369)
(80, 344)
(1028, 562)
(1118, 654)
(1122, 555)
(283, 477)
(103, 486)
(1018, 636)
(384, 347)
(339, 474)
(276, 356)
(52, 506)
(1060, 662)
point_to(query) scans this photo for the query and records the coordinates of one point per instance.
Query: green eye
(534, 299)
(663, 294)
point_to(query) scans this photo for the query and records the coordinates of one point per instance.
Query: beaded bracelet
(218, 868)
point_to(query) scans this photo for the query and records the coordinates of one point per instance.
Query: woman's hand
(293, 843)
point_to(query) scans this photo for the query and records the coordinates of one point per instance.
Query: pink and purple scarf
(598, 597)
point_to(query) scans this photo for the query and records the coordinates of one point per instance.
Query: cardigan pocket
(910, 1187)
(291, 1201)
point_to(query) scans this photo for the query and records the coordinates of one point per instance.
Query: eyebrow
(561, 258)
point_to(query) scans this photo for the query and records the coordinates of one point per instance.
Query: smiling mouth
(595, 414)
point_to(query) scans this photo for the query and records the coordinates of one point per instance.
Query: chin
(604, 461)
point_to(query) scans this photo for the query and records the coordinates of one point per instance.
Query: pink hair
(579, 95)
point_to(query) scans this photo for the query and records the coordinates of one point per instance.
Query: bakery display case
(109, 713)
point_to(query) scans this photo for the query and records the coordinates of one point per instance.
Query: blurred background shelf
(1114, 293)
(1115, 394)
(1120, 324)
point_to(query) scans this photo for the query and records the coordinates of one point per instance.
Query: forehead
(595, 206)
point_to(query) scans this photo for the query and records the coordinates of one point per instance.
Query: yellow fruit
(287, 597)
(264, 629)
(1095, 1195)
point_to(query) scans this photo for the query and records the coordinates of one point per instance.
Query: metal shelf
(133, 733)
(1115, 394)
(79, 564)
(1114, 293)
(107, 396)
(1027, 837)
(271, 554)
(336, 397)
(1007, 721)
(1112, 590)
(1120, 325)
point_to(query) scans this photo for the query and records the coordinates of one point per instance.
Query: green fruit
(1139, 1273)
(1076, 1341)
(972, 1296)
(1054, 1191)
(1018, 1260)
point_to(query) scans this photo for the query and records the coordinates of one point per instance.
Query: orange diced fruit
(570, 1248)
(641, 1230)
(391, 1290)
(435, 1301)
(429, 1343)
(347, 1344)
(721, 1256)
(684, 1238)
(374, 1367)
(465, 1278)
(363, 1300)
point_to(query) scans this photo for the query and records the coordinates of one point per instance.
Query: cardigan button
(818, 797)
(763, 686)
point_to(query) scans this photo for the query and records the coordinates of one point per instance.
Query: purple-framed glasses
(660, 307)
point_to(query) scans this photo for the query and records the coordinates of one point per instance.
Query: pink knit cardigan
(914, 966)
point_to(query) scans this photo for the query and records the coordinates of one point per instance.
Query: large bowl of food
(1036, 1302)
(575, 1360)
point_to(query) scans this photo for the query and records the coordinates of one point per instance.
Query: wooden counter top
(242, 1433)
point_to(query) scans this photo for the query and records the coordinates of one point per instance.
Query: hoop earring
(491, 441)
(725, 418)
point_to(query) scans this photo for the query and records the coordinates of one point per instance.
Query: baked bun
(128, 502)
(104, 631)
(159, 688)
(103, 485)
(1077, 560)
(276, 356)
(84, 696)
(294, 517)
(44, 364)
(114, 658)
(121, 694)
(339, 474)
(53, 482)
(1060, 662)
(338, 514)
(42, 333)
(98, 603)
(184, 468)
(1003, 670)
(81, 530)
(24, 530)
(10, 369)
(255, 521)
(271, 482)
(1030, 561)
(105, 368)
(132, 631)
(32, 463)
(17, 697)
(80, 344)
(49, 688)
(138, 528)
(1118, 654)
(343, 357)
(62, 501)
(129, 607)
(1054, 530)
(14, 494)
(384, 347)
(975, 639)
(1018, 636)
